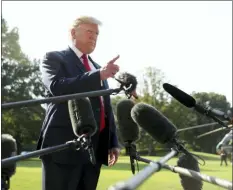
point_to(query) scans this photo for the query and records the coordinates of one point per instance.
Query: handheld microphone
(129, 130)
(129, 81)
(9, 149)
(190, 102)
(83, 122)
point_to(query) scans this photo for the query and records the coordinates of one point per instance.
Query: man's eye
(92, 32)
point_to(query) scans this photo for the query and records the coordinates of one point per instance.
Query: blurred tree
(151, 93)
(218, 101)
(20, 80)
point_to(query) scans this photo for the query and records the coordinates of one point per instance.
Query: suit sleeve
(55, 81)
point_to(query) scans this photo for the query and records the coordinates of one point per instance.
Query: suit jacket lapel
(74, 61)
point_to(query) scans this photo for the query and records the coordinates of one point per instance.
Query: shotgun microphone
(190, 102)
(157, 125)
(153, 122)
(188, 162)
(9, 149)
(83, 122)
(129, 130)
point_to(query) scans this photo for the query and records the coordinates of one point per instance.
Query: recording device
(153, 122)
(157, 125)
(9, 149)
(83, 122)
(190, 102)
(129, 81)
(128, 129)
(188, 162)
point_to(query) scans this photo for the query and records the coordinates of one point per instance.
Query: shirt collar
(76, 50)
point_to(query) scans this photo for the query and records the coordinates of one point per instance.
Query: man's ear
(73, 32)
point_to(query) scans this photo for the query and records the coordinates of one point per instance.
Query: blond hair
(85, 20)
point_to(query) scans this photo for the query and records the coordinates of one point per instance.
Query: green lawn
(28, 175)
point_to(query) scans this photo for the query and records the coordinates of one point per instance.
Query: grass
(28, 174)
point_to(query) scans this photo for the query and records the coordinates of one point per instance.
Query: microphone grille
(188, 183)
(128, 79)
(129, 130)
(9, 149)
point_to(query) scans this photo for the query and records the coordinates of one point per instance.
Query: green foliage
(217, 101)
(20, 79)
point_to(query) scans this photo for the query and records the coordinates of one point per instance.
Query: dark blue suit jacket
(63, 73)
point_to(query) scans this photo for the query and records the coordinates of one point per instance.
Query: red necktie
(102, 114)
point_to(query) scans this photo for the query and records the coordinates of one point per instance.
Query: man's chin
(91, 49)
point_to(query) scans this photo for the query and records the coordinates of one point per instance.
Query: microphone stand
(5, 182)
(76, 144)
(87, 145)
(137, 180)
(57, 99)
(63, 98)
(144, 174)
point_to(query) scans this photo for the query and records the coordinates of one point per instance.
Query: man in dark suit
(73, 71)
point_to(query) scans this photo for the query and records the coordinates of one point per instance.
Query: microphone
(154, 123)
(130, 82)
(190, 102)
(188, 162)
(9, 149)
(163, 131)
(157, 125)
(129, 130)
(83, 122)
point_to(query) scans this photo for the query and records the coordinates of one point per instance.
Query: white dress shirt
(79, 54)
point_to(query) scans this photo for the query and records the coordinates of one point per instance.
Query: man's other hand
(113, 156)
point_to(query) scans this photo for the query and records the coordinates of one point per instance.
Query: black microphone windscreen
(82, 117)
(128, 128)
(179, 95)
(128, 79)
(189, 162)
(153, 122)
(9, 149)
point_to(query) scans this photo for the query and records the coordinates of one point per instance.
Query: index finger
(114, 59)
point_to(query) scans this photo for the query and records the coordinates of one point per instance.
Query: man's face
(86, 37)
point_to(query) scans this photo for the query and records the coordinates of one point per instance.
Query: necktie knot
(84, 56)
